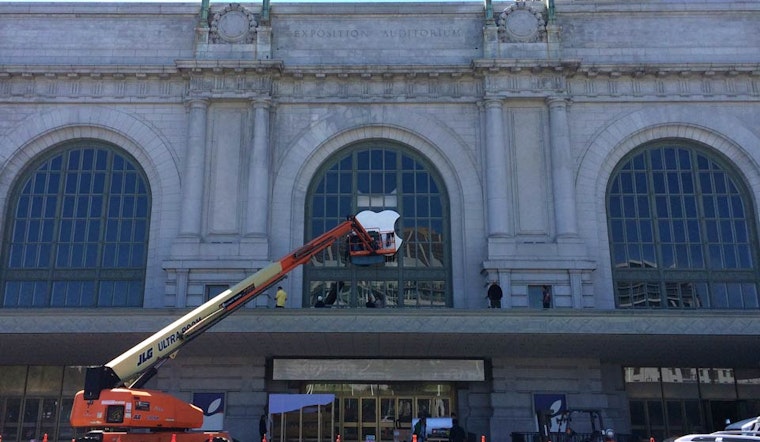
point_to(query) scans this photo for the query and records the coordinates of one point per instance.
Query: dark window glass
(378, 176)
(77, 233)
(696, 224)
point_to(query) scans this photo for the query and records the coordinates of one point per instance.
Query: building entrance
(365, 412)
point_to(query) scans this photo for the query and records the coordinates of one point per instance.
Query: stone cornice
(573, 67)
(224, 66)
(73, 71)
(620, 82)
(677, 82)
(377, 70)
(378, 83)
(501, 78)
(501, 65)
(665, 70)
(568, 68)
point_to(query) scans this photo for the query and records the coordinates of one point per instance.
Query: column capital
(261, 102)
(557, 101)
(196, 102)
(492, 102)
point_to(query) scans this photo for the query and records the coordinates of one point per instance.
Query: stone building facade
(605, 151)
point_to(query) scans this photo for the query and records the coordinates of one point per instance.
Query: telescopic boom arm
(138, 364)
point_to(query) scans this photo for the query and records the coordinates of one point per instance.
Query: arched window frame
(409, 283)
(71, 239)
(681, 264)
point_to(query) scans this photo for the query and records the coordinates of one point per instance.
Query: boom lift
(113, 402)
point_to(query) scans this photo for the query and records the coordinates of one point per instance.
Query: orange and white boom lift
(113, 405)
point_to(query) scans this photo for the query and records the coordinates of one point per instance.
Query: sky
(228, 1)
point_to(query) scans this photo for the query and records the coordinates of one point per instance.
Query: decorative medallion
(523, 22)
(233, 24)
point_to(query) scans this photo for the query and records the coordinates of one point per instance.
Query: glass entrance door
(385, 418)
(369, 419)
(348, 427)
(359, 419)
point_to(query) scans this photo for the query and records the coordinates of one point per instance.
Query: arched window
(380, 175)
(682, 230)
(76, 234)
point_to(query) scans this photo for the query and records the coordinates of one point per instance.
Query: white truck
(747, 430)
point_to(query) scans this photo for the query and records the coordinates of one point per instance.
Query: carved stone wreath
(522, 22)
(233, 24)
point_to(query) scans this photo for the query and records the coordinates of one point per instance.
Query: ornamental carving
(233, 24)
(523, 22)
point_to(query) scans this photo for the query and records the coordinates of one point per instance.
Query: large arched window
(379, 175)
(76, 234)
(682, 230)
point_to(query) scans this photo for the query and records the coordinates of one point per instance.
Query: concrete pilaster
(258, 179)
(497, 171)
(562, 169)
(180, 300)
(576, 288)
(192, 183)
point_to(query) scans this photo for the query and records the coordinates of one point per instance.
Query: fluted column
(497, 171)
(195, 160)
(566, 223)
(258, 178)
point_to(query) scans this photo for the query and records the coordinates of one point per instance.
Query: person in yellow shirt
(280, 297)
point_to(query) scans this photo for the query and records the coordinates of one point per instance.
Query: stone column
(496, 171)
(195, 160)
(565, 222)
(258, 178)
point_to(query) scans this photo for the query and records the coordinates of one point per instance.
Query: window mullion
(653, 211)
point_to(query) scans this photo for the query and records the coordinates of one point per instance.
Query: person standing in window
(280, 297)
(546, 296)
(494, 295)
(370, 301)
